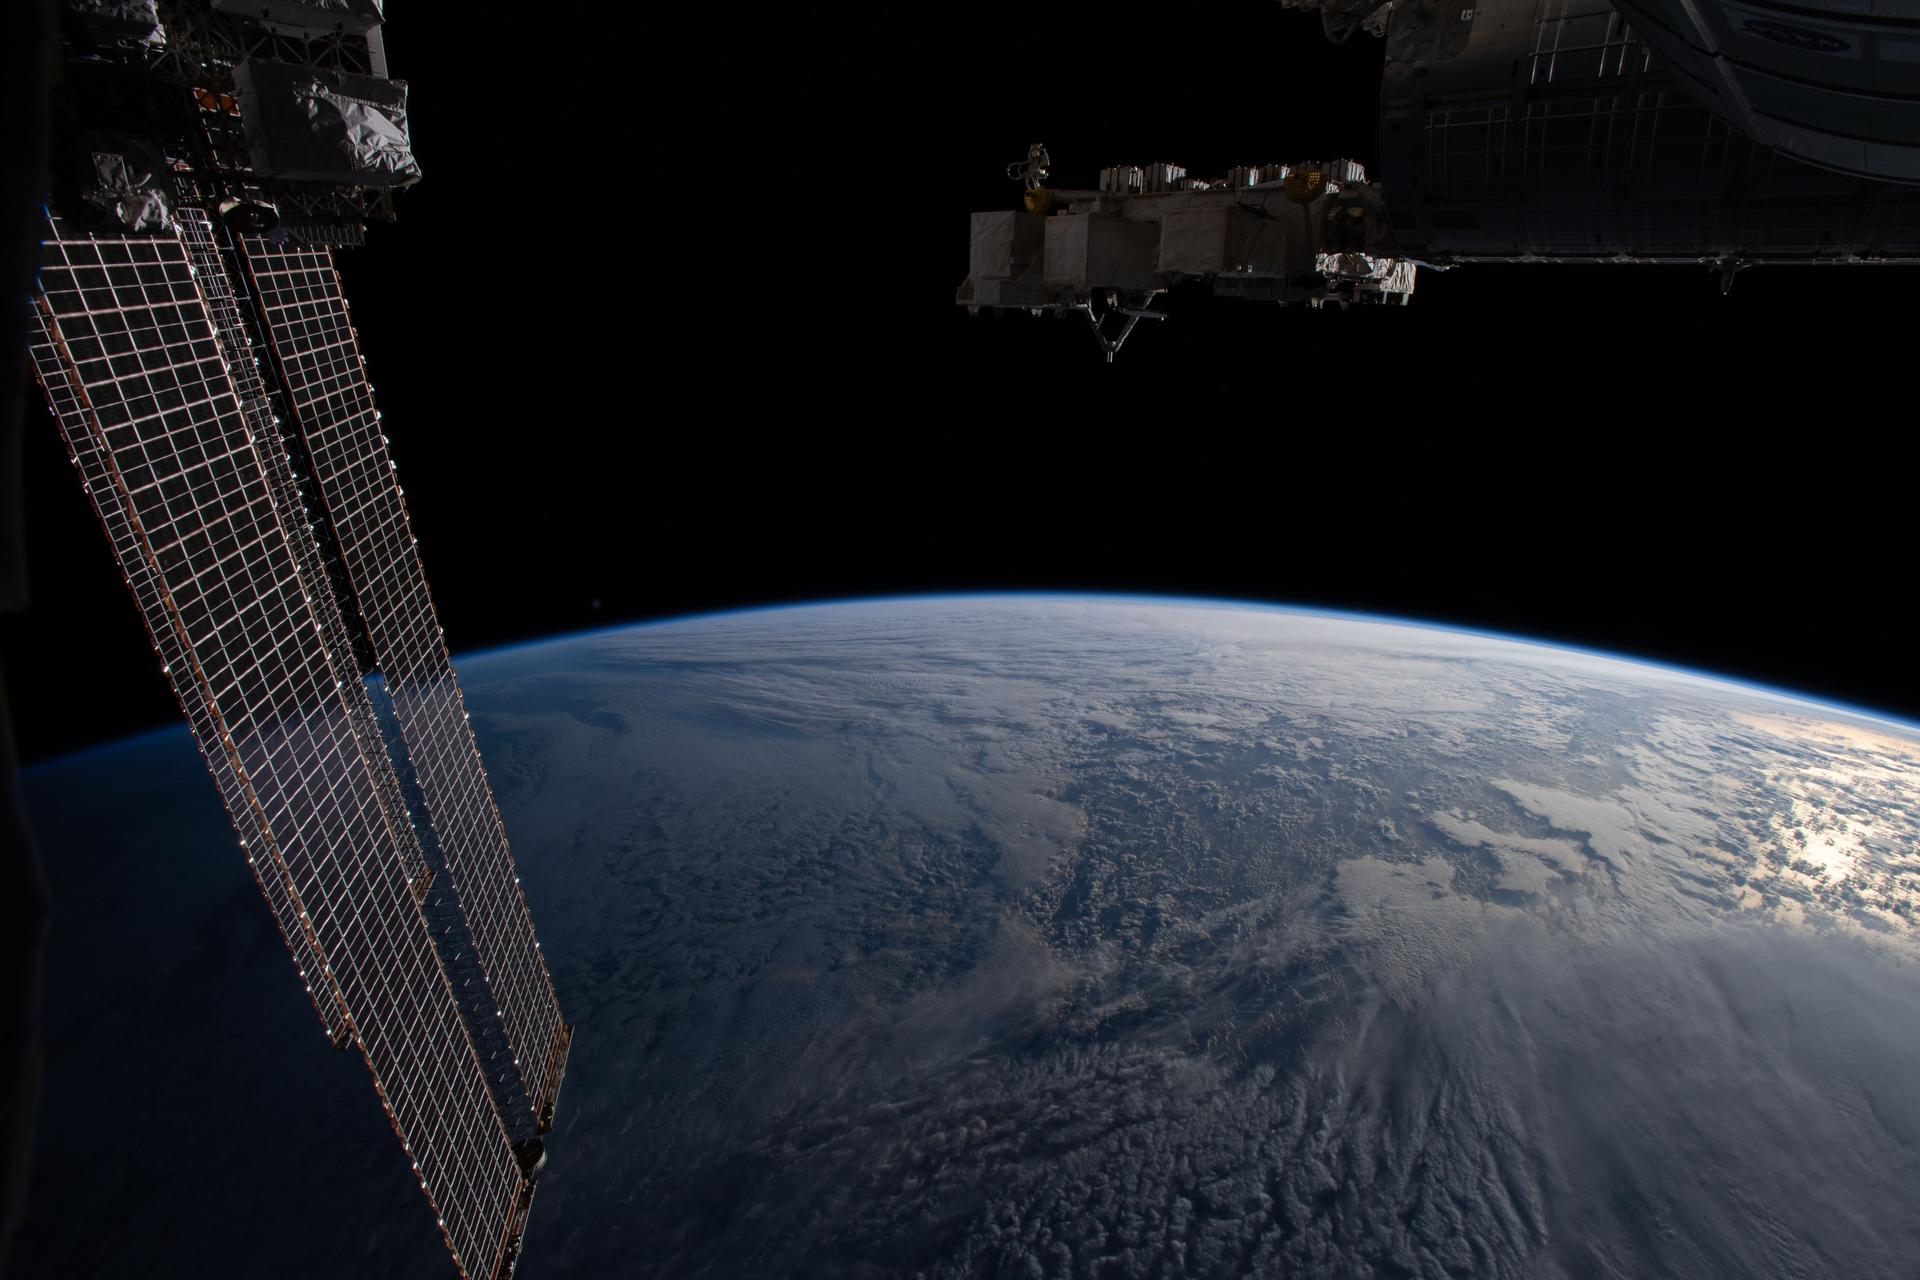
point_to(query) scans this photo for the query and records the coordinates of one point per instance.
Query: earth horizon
(1060, 936)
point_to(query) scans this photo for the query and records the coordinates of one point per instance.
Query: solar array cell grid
(150, 596)
(320, 365)
(146, 389)
(237, 341)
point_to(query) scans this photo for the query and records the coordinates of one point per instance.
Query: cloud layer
(1109, 939)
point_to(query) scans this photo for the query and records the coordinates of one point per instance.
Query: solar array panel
(133, 365)
(211, 266)
(54, 368)
(317, 353)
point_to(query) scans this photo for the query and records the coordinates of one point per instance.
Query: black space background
(667, 330)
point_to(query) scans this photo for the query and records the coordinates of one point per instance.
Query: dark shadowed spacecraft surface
(1530, 131)
(1834, 82)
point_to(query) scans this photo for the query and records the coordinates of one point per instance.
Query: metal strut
(1133, 314)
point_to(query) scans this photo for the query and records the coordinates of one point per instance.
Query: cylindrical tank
(1548, 130)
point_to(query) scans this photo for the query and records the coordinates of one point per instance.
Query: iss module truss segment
(1314, 234)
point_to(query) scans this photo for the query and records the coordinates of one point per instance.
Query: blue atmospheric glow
(1221, 602)
(1218, 602)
